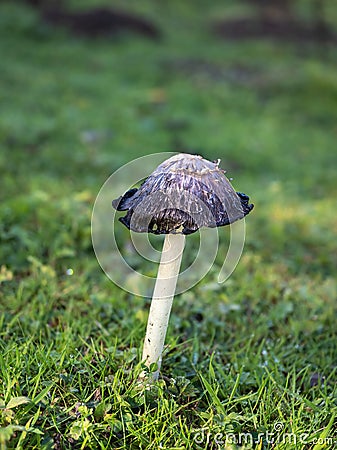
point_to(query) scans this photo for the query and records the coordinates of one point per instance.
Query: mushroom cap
(184, 193)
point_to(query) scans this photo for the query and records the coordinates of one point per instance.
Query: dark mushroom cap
(184, 193)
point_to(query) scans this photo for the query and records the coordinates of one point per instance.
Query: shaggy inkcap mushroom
(183, 194)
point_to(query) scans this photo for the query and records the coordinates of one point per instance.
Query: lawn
(248, 364)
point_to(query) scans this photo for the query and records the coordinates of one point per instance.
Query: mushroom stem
(162, 299)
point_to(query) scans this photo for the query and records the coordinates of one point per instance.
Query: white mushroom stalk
(162, 300)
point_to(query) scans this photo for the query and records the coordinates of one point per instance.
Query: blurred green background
(74, 109)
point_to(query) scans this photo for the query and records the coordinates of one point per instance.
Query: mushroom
(184, 193)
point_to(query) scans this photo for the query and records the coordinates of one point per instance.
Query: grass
(251, 361)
